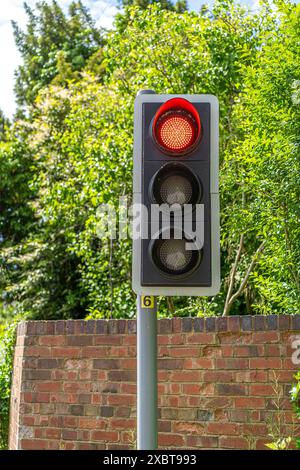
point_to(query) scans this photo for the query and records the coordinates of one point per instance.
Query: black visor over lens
(175, 184)
(173, 258)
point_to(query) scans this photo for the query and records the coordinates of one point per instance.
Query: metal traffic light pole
(146, 374)
(146, 366)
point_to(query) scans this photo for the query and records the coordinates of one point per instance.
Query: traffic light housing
(175, 195)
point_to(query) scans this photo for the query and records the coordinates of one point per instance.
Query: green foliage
(7, 343)
(53, 36)
(4, 127)
(280, 444)
(179, 6)
(259, 181)
(75, 153)
(295, 398)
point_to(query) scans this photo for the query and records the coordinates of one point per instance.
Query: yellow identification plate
(147, 301)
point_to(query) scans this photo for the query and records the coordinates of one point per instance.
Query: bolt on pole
(146, 375)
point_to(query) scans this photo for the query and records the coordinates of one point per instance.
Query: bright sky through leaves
(102, 10)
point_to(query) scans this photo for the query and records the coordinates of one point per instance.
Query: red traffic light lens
(177, 126)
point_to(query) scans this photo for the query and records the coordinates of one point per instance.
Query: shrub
(295, 397)
(7, 343)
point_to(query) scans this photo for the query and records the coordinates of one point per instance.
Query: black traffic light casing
(164, 175)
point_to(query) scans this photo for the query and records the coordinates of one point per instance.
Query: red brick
(233, 443)
(110, 436)
(85, 375)
(121, 399)
(128, 364)
(255, 416)
(196, 389)
(219, 402)
(66, 351)
(265, 363)
(122, 423)
(39, 351)
(223, 428)
(53, 433)
(129, 388)
(218, 376)
(28, 420)
(287, 364)
(39, 433)
(235, 338)
(173, 401)
(261, 443)
(210, 351)
(232, 363)
(77, 386)
(250, 403)
(184, 352)
(129, 340)
(52, 340)
(33, 444)
(70, 421)
(163, 340)
(227, 351)
(201, 338)
(282, 375)
(49, 387)
(200, 442)
(91, 423)
(265, 337)
(231, 389)
(199, 363)
(239, 416)
(250, 350)
(263, 390)
(95, 352)
(79, 340)
(188, 428)
(257, 429)
(117, 351)
(69, 434)
(258, 376)
(273, 350)
(87, 446)
(170, 440)
(194, 366)
(177, 338)
(185, 376)
(233, 324)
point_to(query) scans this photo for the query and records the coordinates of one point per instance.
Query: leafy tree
(50, 39)
(4, 126)
(7, 344)
(82, 138)
(79, 140)
(16, 192)
(180, 6)
(260, 177)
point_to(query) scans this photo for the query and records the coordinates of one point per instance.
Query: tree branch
(243, 284)
(233, 271)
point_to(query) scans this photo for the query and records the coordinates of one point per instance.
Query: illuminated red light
(177, 126)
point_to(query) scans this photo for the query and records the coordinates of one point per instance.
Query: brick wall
(74, 383)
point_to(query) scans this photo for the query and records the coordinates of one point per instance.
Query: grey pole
(146, 374)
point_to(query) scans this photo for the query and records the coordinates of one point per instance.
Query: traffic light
(176, 200)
